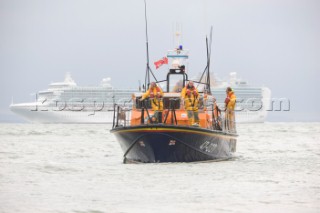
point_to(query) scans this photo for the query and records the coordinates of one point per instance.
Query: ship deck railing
(220, 120)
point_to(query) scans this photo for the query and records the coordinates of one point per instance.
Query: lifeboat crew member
(155, 93)
(190, 95)
(230, 103)
(178, 86)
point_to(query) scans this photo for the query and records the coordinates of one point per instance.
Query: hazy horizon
(268, 43)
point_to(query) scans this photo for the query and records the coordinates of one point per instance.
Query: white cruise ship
(252, 102)
(65, 102)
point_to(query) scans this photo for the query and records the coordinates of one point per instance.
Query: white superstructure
(252, 102)
(65, 102)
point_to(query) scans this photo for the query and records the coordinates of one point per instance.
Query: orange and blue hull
(170, 143)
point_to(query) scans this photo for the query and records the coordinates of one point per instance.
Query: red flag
(159, 63)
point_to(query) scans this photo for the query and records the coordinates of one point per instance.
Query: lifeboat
(145, 140)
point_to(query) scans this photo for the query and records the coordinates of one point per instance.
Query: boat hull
(166, 143)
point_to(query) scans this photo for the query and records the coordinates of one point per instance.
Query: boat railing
(217, 119)
(228, 121)
(168, 103)
(222, 120)
(174, 103)
(145, 108)
(121, 116)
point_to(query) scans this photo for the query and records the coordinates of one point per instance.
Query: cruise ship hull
(31, 113)
(166, 143)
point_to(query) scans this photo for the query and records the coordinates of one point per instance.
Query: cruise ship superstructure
(65, 102)
(253, 102)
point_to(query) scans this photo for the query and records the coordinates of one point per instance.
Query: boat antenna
(206, 71)
(209, 60)
(148, 69)
(139, 86)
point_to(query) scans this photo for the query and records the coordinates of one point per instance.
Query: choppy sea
(78, 169)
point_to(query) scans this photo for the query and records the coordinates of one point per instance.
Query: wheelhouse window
(175, 82)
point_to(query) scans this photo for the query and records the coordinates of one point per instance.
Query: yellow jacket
(232, 103)
(191, 98)
(155, 94)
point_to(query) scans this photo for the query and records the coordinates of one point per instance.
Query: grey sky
(268, 42)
